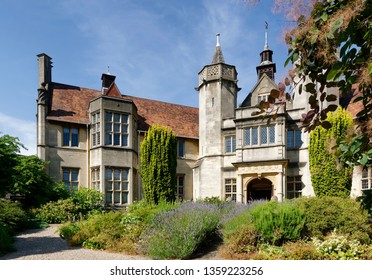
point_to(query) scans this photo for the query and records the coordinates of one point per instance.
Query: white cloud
(24, 130)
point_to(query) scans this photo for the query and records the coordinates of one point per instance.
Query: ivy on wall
(329, 178)
(158, 164)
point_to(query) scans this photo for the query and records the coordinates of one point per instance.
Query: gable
(263, 87)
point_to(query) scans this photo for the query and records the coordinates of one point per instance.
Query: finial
(108, 70)
(218, 39)
(266, 47)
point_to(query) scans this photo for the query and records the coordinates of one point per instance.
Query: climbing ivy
(158, 164)
(327, 176)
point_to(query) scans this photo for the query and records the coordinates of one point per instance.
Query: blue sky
(154, 48)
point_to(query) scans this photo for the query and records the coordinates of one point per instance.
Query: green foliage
(158, 164)
(6, 239)
(177, 234)
(277, 223)
(81, 203)
(12, 214)
(56, 212)
(325, 214)
(366, 202)
(327, 177)
(339, 247)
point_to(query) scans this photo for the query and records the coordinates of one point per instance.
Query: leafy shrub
(177, 233)
(6, 239)
(338, 247)
(366, 202)
(81, 203)
(300, 250)
(277, 223)
(12, 215)
(324, 214)
(56, 212)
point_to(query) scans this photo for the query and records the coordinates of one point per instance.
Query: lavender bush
(176, 234)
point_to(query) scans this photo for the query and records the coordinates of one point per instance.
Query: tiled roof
(71, 104)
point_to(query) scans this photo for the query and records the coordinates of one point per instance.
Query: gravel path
(46, 244)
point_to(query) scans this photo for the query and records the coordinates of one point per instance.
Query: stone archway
(259, 188)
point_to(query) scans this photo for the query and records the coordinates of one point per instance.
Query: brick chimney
(107, 81)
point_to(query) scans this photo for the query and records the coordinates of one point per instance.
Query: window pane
(263, 135)
(233, 140)
(124, 140)
(116, 197)
(116, 117)
(181, 146)
(66, 137)
(247, 136)
(116, 139)
(365, 173)
(290, 139)
(124, 128)
(108, 127)
(117, 186)
(116, 127)
(180, 181)
(117, 174)
(124, 174)
(66, 175)
(108, 174)
(108, 139)
(74, 137)
(364, 184)
(124, 198)
(298, 140)
(125, 186)
(272, 134)
(109, 197)
(108, 117)
(124, 119)
(228, 144)
(74, 174)
(254, 135)
(108, 186)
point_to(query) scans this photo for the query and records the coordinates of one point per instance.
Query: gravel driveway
(46, 244)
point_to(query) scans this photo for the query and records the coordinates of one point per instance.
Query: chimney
(45, 70)
(107, 81)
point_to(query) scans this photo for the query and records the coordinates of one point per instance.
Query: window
(180, 148)
(230, 189)
(96, 129)
(260, 135)
(70, 137)
(294, 186)
(95, 178)
(367, 179)
(294, 138)
(116, 129)
(230, 144)
(262, 98)
(116, 185)
(180, 186)
(70, 177)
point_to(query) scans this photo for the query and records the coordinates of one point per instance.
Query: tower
(266, 65)
(218, 90)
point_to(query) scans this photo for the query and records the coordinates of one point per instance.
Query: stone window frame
(96, 129)
(70, 136)
(230, 144)
(366, 179)
(70, 178)
(116, 130)
(296, 138)
(95, 178)
(180, 148)
(180, 186)
(230, 189)
(294, 186)
(252, 135)
(116, 188)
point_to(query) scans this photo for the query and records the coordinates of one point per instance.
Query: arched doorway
(260, 188)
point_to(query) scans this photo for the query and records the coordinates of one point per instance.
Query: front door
(260, 188)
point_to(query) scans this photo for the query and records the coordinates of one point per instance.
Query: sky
(155, 48)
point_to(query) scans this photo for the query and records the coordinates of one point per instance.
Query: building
(91, 138)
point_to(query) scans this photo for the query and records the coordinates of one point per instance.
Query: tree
(329, 178)
(331, 47)
(158, 164)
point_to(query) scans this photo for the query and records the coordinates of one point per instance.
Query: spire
(266, 47)
(218, 56)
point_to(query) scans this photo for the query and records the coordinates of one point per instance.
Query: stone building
(91, 138)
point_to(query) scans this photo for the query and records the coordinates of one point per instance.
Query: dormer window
(262, 98)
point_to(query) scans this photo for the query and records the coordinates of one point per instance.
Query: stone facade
(91, 138)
